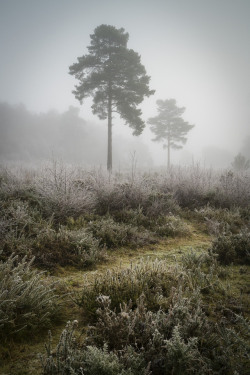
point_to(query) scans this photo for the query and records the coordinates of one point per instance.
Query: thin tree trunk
(109, 160)
(168, 152)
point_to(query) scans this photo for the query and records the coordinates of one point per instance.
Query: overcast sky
(196, 51)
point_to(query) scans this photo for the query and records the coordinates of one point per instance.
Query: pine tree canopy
(113, 75)
(168, 125)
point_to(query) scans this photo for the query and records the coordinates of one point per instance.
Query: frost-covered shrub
(27, 303)
(141, 193)
(233, 190)
(20, 224)
(232, 247)
(136, 341)
(60, 195)
(21, 219)
(180, 340)
(134, 217)
(137, 325)
(171, 226)
(201, 272)
(76, 359)
(66, 247)
(195, 187)
(112, 234)
(25, 232)
(221, 219)
(162, 225)
(154, 279)
(117, 195)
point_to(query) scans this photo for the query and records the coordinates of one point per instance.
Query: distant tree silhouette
(114, 76)
(240, 163)
(168, 126)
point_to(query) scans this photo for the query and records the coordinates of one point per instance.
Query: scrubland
(127, 273)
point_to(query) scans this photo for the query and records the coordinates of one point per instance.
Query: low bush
(64, 247)
(171, 226)
(222, 219)
(27, 303)
(19, 226)
(76, 359)
(59, 193)
(232, 248)
(112, 234)
(20, 218)
(195, 188)
(201, 272)
(136, 341)
(141, 194)
(162, 225)
(154, 279)
(168, 340)
(160, 203)
(25, 232)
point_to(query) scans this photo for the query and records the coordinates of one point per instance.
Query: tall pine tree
(168, 126)
(114, 76)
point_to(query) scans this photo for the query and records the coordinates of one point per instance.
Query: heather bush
(179, 340)
(232, 247)
(171, 226)
(202, 272)
(20, 224)
(160, 203)
(22, 218)
(233, 190)
(74, 358)
(115, 195)
(154, 279)
(195, 187)
(61, 196)
(18, 185)
(27, 303)
(134, 217)
(136, 324)
(162, 225)
(64, 247)
(222, 219)
(135, 340)
(24, 231)
(112, 234)
(52, 191)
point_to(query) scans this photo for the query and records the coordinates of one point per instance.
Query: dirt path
(23, 358)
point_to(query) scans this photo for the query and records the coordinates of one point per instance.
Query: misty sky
(196, 51)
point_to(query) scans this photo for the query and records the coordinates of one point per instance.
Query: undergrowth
(232, 248)
(158, 315)
(27, 302)
(153, 317)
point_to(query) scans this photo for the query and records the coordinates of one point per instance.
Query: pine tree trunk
(109, 160)
(168, 153)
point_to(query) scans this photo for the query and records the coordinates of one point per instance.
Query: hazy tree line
(32, 137)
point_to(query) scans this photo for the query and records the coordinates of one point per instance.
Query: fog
(195, 51)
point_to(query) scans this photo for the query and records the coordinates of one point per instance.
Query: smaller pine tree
(240, 163)
(169, 125)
